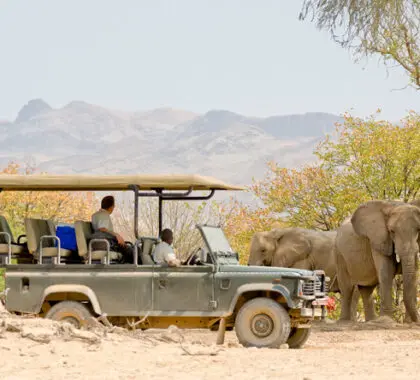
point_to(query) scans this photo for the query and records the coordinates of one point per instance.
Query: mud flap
(221, 332)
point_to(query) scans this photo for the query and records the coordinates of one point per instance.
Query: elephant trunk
(409, 270)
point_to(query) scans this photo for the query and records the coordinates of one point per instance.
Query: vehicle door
(123, 289)
(184, 288)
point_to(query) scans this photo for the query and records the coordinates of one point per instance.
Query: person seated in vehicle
(163, 252)
(104, 229)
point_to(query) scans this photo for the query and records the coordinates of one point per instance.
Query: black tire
(70, 311)
(298, 337)
(262, 322)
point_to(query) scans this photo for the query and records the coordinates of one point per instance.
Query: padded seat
(146, 249)
(18, 250)
(35, 230)
(84, 232)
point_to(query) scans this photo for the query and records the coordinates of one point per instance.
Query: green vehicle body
(267, 306)
(191, 296)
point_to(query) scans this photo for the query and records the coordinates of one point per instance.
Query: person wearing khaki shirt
(102, 223)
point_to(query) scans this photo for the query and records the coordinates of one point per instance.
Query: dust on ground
(32, 348)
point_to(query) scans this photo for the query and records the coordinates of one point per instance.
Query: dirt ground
(40, 349)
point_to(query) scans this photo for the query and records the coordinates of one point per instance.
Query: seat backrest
(35, 229)
(147, 249)
(84, 231)
(4, 227)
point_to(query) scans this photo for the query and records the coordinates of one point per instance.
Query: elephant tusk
(398, 258)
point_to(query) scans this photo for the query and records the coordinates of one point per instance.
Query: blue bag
(67, 236)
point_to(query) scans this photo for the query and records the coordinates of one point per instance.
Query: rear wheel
(298, 337)
(72, 312)
(262, 322)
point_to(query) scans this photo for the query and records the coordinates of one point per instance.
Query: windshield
(216, 239)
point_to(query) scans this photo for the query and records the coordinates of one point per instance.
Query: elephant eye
(263, 250)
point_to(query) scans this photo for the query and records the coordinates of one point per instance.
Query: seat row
(44, 246)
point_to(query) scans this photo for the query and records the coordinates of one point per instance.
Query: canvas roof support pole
(135, 189)
(160, 216)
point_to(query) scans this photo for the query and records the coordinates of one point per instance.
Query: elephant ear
(277, 233)
(416, 203)
(369, 220)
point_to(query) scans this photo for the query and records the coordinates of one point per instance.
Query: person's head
(108, 203)
(167, 236)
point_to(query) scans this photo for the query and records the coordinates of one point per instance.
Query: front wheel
(262, 322)
(70, 311)
(298, 337)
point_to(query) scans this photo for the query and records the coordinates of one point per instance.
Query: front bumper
(318, 309)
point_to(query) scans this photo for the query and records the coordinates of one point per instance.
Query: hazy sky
(248, 56)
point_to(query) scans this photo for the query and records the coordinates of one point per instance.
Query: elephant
(295, 247)
(378, 240)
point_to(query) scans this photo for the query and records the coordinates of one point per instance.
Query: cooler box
(67, 236)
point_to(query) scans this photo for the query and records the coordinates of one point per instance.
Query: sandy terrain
(41, 349)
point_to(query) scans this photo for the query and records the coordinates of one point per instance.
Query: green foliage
(377, 159)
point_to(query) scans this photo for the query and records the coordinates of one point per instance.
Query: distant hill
(86, 138)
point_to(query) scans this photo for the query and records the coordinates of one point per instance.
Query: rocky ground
(40, 349)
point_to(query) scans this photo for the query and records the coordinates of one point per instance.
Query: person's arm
(103, 226)
(171, 258)
(117, 236)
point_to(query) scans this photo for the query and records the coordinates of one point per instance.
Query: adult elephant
(369, 247)
(295, 247)
(301, 248)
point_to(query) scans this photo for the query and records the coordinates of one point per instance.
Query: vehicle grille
(308, 288)
(312, 288)
(327, 287)
(318, 286)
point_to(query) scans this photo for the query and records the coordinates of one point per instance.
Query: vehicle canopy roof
(80, 182)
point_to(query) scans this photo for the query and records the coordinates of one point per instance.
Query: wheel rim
(69, 317)
(262, 325)
(72, 320)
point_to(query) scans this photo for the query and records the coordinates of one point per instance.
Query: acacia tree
(375, 159)
(310, 197)
(388, 28)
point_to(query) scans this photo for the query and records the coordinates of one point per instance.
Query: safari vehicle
(266, 306)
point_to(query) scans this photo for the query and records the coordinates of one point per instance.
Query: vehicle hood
(265, 270)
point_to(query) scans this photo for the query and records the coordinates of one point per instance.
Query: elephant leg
(368, 304)
(385, 269)
(353, 304)
(346, 289)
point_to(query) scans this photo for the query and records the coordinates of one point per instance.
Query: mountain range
(86, 138)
